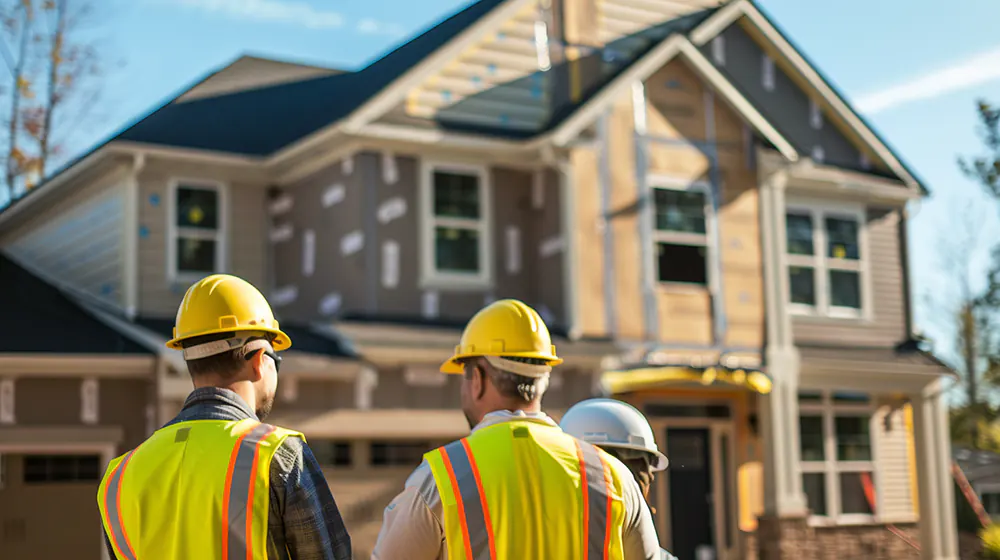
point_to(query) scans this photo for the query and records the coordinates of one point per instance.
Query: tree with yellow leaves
(53, 82)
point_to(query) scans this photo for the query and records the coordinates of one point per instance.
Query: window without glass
(398, 453)
(991, 503)
(824, 261)
(332, 453)
(680, 235)
(457, 215)
(836, 453)
(197, 230)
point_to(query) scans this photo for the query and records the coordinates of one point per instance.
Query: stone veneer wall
(794, 539)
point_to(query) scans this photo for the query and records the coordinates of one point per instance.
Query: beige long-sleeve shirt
(413, 526)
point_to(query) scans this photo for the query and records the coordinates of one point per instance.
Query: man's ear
(479, 380)
(257, 364)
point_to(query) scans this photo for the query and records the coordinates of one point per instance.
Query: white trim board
(674, 46)
(746, 8)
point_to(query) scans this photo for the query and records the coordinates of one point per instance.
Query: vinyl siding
(893, 467)
(885, 267)
(79, 239)
(245, 240)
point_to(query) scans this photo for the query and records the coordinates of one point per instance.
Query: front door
(690, 485)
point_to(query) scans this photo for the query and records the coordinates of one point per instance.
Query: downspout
(131, 248)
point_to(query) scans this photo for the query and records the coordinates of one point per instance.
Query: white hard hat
(612, 423)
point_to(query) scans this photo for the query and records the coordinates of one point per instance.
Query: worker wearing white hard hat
(621, 430)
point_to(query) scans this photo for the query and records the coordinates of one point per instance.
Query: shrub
(990, 536)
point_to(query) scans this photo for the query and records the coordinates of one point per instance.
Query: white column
(938, 533)
(779, 428)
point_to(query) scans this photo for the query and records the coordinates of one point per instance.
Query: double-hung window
(826, 264)
(838, 474)
(680, 231)
(196, 231)
(456, 208)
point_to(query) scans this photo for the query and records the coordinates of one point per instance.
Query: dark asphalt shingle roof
(38, 318)
(304, 339)
(261, 121)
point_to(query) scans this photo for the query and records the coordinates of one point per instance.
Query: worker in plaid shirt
(196, 487)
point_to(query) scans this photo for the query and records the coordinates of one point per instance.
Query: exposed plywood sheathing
(588, 229)
(619, 18)
(501, 59)
(250, 72)
(624, 221)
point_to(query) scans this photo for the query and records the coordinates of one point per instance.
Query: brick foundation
(794, 539)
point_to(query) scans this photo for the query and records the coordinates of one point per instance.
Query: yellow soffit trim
(623, 381)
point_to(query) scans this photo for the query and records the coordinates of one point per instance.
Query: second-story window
(681, 233)
(196, 230)
(825, 261)
(456, 225)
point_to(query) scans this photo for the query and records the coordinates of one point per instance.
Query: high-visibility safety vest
(523, 489)
(197, 490)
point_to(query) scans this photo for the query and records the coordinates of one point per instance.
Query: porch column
(779, 428)
(938, 531)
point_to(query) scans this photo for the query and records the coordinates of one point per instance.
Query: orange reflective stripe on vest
(237, 503)
(596, 502)
(112, 505)
(477, 528)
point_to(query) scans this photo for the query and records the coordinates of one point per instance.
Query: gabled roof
(261, 121)
(38, 318)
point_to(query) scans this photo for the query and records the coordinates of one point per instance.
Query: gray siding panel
(245, 239)
(328, 204)
(387, 216)
(786, 106)
(79, 239)
(888, 322)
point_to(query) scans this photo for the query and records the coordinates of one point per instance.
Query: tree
(53, 63)
(977, 331)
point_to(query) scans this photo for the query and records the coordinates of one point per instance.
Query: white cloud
(373, 27)
(275, 11)
(974, 71)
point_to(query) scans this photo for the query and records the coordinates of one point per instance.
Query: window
(825, 261)
(991, 502)
(42, 469)
(196, 230)
(398, 453)
(681, 231)
(456, 226)
(332, 453)
(836, 454)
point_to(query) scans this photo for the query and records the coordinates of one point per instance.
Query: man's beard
(264, 408)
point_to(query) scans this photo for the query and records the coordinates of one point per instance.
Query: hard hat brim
(281, 340)
(453, 366)
(658, 465)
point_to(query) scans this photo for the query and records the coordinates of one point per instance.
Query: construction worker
(517, 487)
(621, 430)
(215, 482)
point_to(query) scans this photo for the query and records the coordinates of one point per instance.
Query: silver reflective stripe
(475, 517)
(597, 497)
(111, 507)
(239, 506)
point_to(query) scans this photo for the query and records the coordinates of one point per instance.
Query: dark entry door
(690, 474)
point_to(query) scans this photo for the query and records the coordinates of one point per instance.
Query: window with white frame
(680, 231)
(825, 260)
(196, 229)
(456, 207)
(836, 453)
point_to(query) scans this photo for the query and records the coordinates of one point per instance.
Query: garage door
(48, 507)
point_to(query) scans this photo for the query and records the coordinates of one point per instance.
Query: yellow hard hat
(507, 328)
(222, 303)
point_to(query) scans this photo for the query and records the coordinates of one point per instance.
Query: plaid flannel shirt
(304, 522)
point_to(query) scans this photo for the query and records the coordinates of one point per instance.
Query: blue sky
(913, 67)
